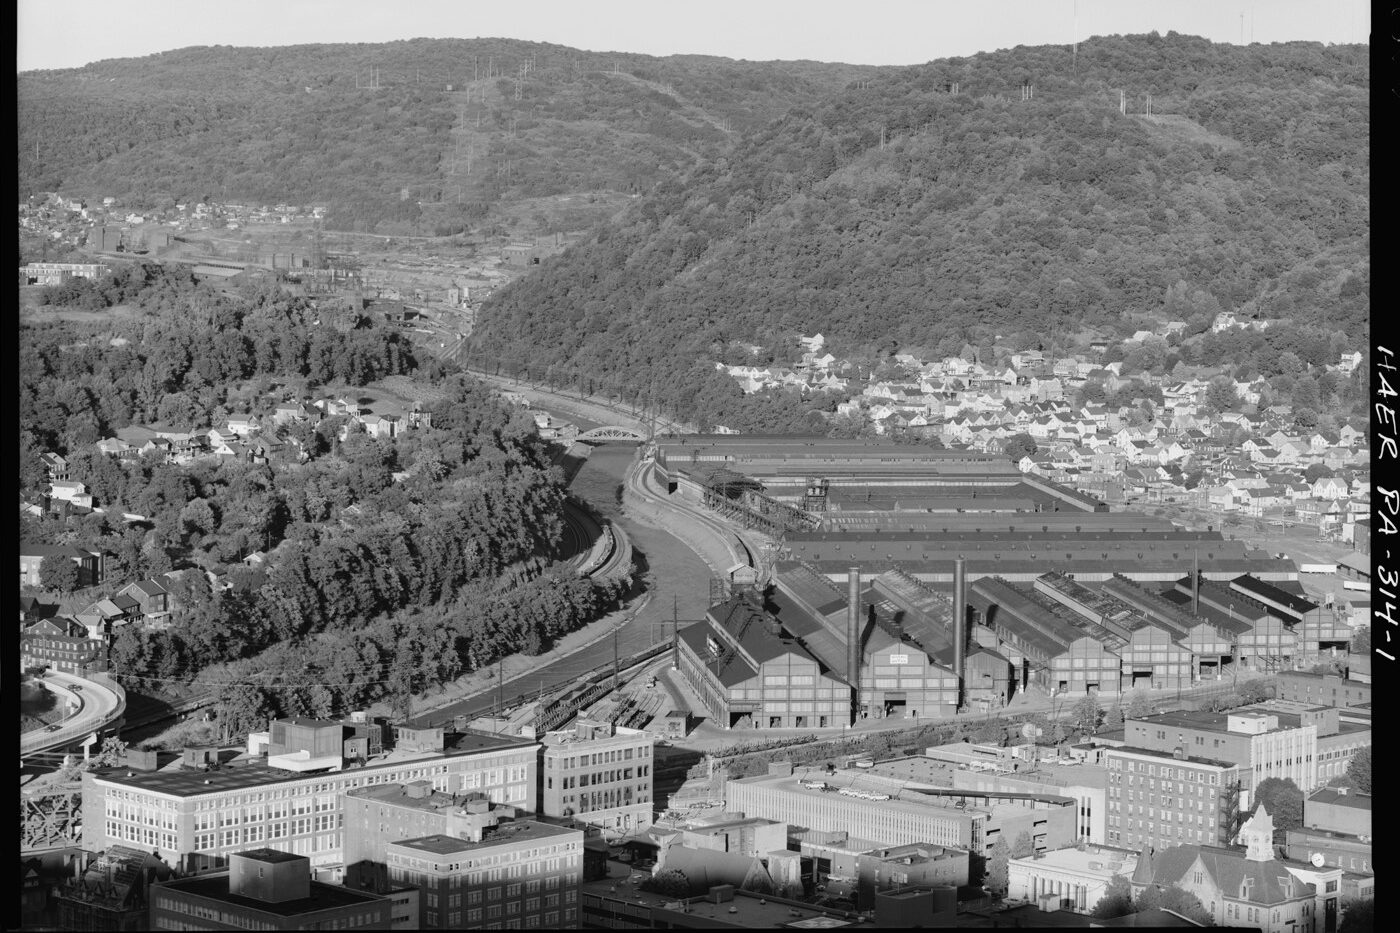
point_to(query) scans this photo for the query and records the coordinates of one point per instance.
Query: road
(100, 706)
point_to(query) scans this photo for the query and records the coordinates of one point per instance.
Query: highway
(100, 705)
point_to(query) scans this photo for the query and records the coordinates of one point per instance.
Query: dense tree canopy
(895, 212)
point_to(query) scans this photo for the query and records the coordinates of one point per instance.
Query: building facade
(1251, 739)
(1320, 689)
(519, 874)
(1079, 876)
(194, 819)
(1162, 799)
(599, 775)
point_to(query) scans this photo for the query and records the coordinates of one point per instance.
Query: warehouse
(1020, 554)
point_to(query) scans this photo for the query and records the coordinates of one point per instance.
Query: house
(244, 425)
(1330, 487)
(288, 413)
(151, 597)
(1224, 321)
(116, 447)
(71, 492)
(107, 613)
(382, 426)
(56, 465)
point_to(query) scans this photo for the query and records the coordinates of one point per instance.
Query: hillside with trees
(899, 214)
(423, 136)
(391, 564)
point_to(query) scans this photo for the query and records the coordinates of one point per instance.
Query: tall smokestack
(1196, 586)
(959, 614)
(853, 626)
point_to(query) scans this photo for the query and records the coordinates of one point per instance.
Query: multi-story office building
(512, 875)
(1247, 737)
(383, 813)
(264, 889)
(1307, 744)
(598, 775)
(194, 818)
(1162, 799)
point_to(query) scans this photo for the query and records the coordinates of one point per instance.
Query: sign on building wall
(899, 659)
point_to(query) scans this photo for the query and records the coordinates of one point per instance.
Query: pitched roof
(1228, 868)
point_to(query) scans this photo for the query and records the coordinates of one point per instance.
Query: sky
(72, 33)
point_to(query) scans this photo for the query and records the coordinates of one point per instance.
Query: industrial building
(195, 817)
(598, 775)
(264, 889)
(791, 482)
(1061, 652)
(748, 670)
(1161, 799)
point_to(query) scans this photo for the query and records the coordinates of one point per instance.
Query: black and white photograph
(621, 465)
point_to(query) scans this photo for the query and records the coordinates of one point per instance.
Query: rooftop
(1353, 799)
(1091, 862)
(270, 856)
(503, 834)
(195, 782)
(323, 896)
(1168, 756)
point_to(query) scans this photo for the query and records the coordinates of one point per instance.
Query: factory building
(1268, 638)
(1020, 549)
(751, 672)
(1062, 654)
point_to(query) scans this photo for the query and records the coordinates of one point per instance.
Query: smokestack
(853, 627)
(959, 615)
(1196, 586)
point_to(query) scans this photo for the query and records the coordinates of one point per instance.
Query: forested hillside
(899, 214)
(393, 564)
(375, 131)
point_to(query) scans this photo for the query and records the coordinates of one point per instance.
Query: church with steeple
(1248, 884)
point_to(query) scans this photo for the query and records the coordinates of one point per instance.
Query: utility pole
(500, 687)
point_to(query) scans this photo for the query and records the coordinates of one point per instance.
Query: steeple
(1257, 836)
